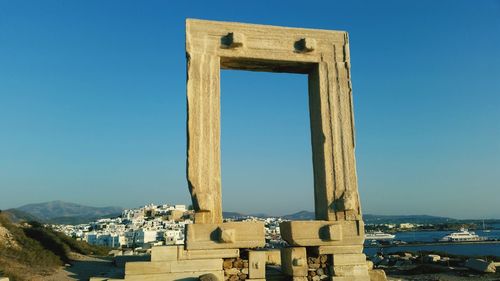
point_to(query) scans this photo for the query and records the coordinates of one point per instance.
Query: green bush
(19, 263)
(49, 241)
(41, 250)
(81, 247)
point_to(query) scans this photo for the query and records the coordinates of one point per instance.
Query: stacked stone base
(173, 263)
(304, 264)
(212, 253)
(324, 250)
(320, 250)
(250, 265)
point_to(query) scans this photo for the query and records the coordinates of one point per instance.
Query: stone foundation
(301, 263)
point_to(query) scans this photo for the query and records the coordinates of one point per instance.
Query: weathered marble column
(323, 55)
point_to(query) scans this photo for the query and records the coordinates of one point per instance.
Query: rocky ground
(444, 277)
(86, 267)
(83, 267)
(7, 239)
(432, 267)
(404, 267)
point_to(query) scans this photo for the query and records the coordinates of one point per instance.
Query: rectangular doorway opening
(266, 155)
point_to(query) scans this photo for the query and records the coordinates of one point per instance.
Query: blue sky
(93, 109)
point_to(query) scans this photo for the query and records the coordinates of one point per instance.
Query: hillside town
(143, 227)
(152, 225)
(164, 224)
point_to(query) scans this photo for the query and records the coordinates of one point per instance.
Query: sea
(472, 249)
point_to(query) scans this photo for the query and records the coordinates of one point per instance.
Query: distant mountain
(302, 215)
(82, 219)
(369, 218)
(232, 215)
(377, 219)
(16, 216)
(260, 215)
(68, 213)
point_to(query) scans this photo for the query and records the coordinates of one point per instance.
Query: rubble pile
(317, 268)
(235, 269)
(408, 262)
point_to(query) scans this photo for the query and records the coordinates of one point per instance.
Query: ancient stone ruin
(329, 247)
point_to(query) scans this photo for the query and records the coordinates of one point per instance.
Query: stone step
(350, 278)
(143, 268)
(172, 253)
(184, 276)
(340, 249)
(351, 270)
(229, 235)
(349, 259)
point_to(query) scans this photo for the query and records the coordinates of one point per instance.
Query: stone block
(294, 261)
(305, 45)
(207, 254)
(334, 232)
(340, 249)
(164, 253)
(349, 259)
(480, 265)
(273, 257)
(350, 278)
(120, 261)
(184, 276)
(142, 268)
(350, 270)
(432, 258)
(232, 40)
(369, 264)
(257, 264)
(239, 235)
(377, 275)
(232, 271)
(320, 233)
(226, 235)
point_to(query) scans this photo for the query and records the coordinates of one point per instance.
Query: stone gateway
(337, 235)
(327, 248)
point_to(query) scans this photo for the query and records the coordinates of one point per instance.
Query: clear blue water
(431, 236)
(494, 225)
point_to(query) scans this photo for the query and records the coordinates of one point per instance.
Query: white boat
(462, 235)
(379, 235)
(484, 229)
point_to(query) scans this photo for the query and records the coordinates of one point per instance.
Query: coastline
(413, 244)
